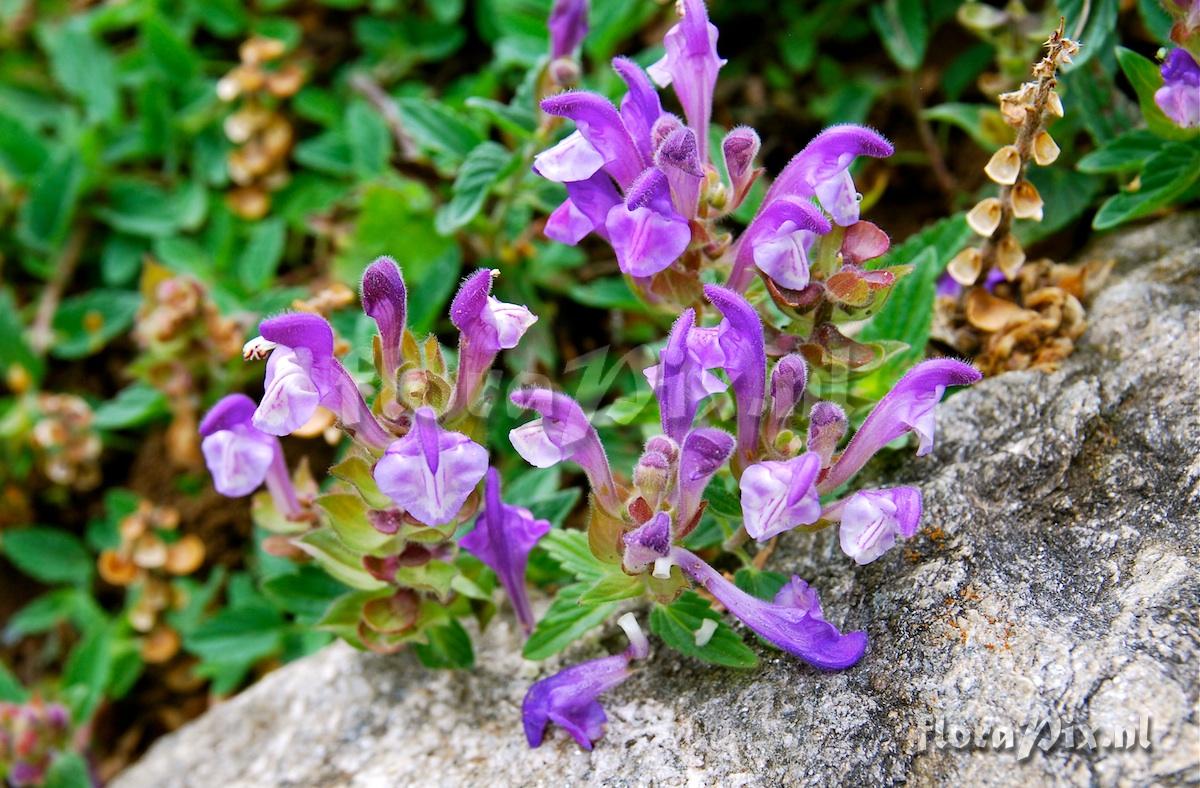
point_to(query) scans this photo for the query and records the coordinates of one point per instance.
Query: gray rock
(1055, 579)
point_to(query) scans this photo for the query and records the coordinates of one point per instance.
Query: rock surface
(1057, 577)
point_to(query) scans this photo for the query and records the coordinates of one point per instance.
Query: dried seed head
(115, 569)
(185, 556)
(160, 645)
(965, 266)
(249, 202)
(287, 81)
(1005, 165)
(1009, 256)
(1045, 149)
(989, 313)
(984, 218)
(260, 49)
(1054, 104)
(1015, 105)
(1026, 202)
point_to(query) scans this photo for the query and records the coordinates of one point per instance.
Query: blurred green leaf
(902, 26)
(132, 407)
(68, 770)
(47, 554)
(1165, 177)
(479, 173)
(84, 67)
(759, 583)
(87, 671)
(1125, 153)
(307, 592)
(261, 255)
(612, 588)
(22, 152)
(11, 690)
(556, 506)
(438, 129)
(142, 208)
(47, 213)
(85, 323)
(368, 138)
(449, 646)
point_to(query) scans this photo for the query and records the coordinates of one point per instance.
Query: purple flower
(602, 129)
(783, 231)
(872, 519)
(241, 457)
(691, 65)
(646, 231)
(502, 539)
(739, 148)
(431, 472)
(1179, 97)
(385, 301)
(788, 381)
(826, 427)
(778, 496)
(569, 697)
(794, 622)
(678, 157)
(302, 375)
(703, 453)
(486, 326)
(681, 379)
(568, 25)
(648, 544)
(641, 108)
(585, 210)
(908, 406)
(741, 340)
(563, 433)
(822, 170)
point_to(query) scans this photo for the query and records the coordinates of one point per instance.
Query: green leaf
(1166, 176)
(449, 646)
(11, 690)
(609, 292)
(68, 770)
(678, 623)
(14, 350)
(721, 501)
(307, 592)
(347, 514)
(47, 212)
(438, 129)
(87, 671)
(531, 485)
(168, 52)
(1125, 153)
(1146, 78)
(556, 507)
(565, 622)
(337, 560)
(22, 152)
(479, 172)
(85, 323)
(132, 407)
(242, 634)
(46, 612)
(758, 583)
(84, 67)
(141, 208)
(570, 549)
(612, 588)
(262, 253)
(902, 27)
(983, 122)
(368, 138)
(47, 554)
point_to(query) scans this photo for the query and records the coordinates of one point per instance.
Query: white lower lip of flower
(704, 634)
(662, 568)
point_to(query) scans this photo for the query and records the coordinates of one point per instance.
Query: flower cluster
(414, 473)
(783, 480)
(641, 178)
(32, 736)
(1179, 97)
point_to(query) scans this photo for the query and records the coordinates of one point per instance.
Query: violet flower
(648, 544)
(681, 380)
(486, 326)
(385, 300)
(703, 453)
(568, 25)
(788, 381)
(431, 472)
(739, 148)
(646, 232)
(783, 227)
(827, 424)
(740, 336)
(242, 457)
(502, 538)
(778, 496)
(909, 406)
(872, 519)
(569, 697)
(302, 375)
(563, 433)
(690, 65)
(794, 622)
(1179, 97)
